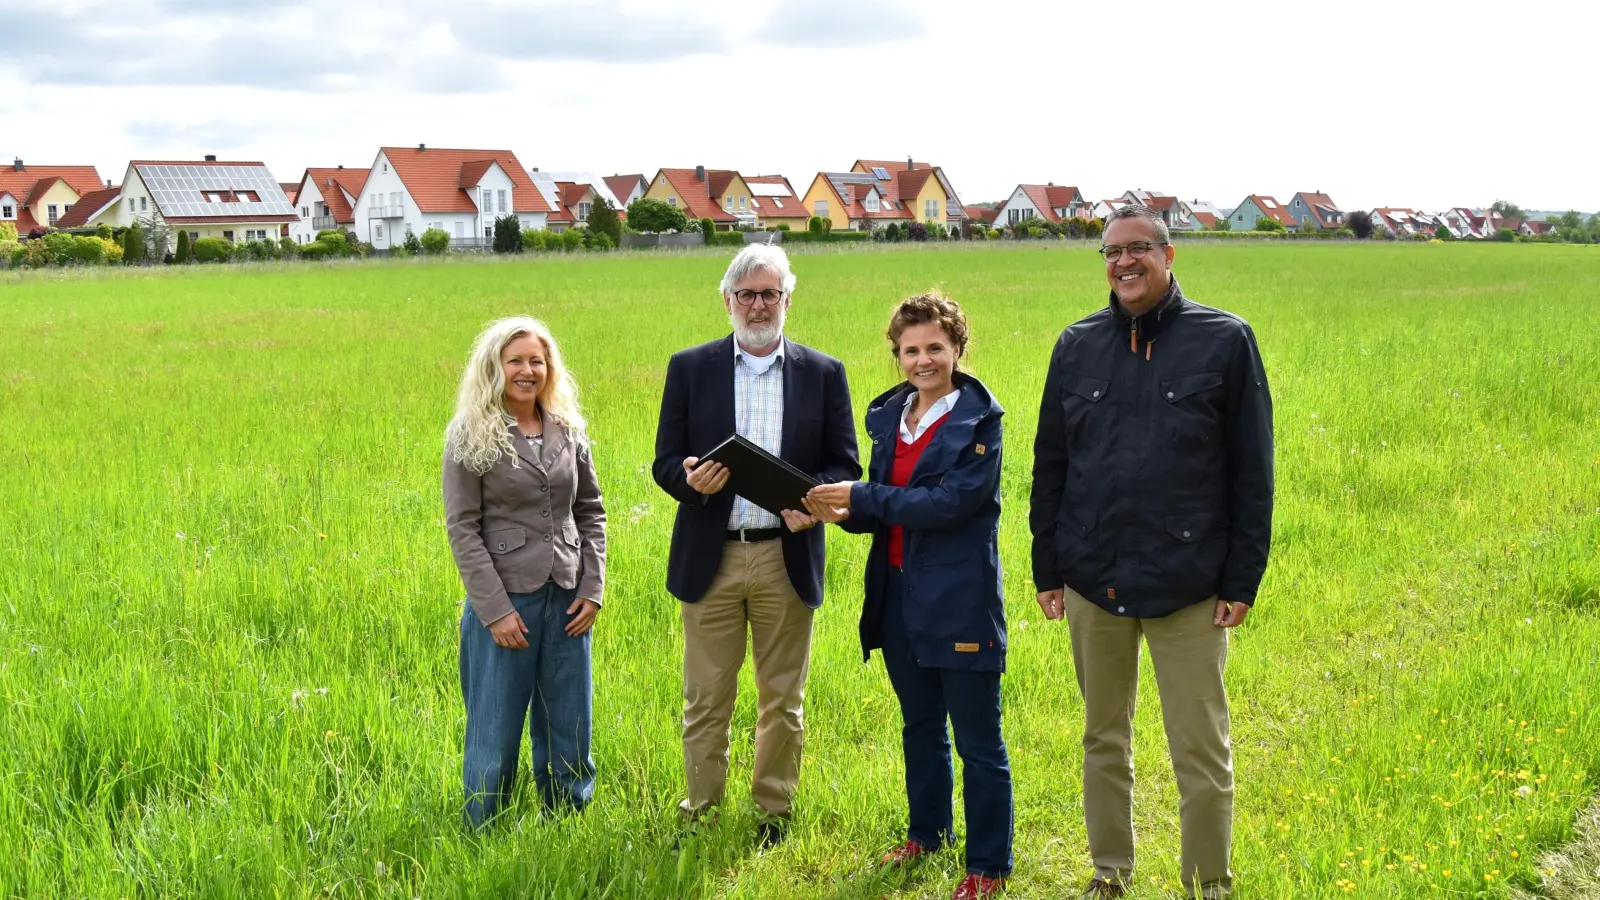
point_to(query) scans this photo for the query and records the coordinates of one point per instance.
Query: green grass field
(228, 610)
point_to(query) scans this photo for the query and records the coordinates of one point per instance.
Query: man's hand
(835, 496)
(508, 631)
(584, 620)
(1053, 603)
(822, 512)
(706, 479)
(1230, 615)
(797, 521)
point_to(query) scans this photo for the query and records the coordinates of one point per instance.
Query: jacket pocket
(1076, 540)
(569, 532)
(1194, 408)
(504, 540)
(1195, 547)
(1080, 395)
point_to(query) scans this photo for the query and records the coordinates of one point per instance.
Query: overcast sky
(1395, 103)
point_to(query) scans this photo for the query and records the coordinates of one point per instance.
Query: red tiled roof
(40, 188)
(1040, 196)
(1162, 202)
(1316, 203)
(87, 206)
(696, 194)
(289, 190)
(1206, 220)
(26, 223)
(984, 214)
(623, 185)
(1276, 211)
(328, 183)
(438, 179)
(83, 179)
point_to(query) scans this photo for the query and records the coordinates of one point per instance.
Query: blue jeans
(971, 702)
(550, 684)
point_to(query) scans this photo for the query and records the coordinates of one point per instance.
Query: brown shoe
(903, 854)
(1099, 889)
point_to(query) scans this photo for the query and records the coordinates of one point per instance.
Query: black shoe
(770, 834)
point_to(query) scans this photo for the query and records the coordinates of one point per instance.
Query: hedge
(1260, 236)
(828, 237)
(724, 239)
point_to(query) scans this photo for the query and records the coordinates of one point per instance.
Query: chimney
(17, 166)
(211, 157)
(422, 146)
(910, 164)
(699, 173)
(341, 166)
(108, 182)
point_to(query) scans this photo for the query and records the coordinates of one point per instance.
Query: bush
(648, 215)
(916, 231)
(708, 228)
(533, 239)
(976, 232)
(1444, 233)
(572, 239)
(435, 241)
(1268, 223)
(892, 233)
(507, 234)
(133, 245)
(600, 241)
(210, 249)
(814, 225)
(86, 250)
(725, 239)
(1505, 236)
(937, 232)
(183, 253)
(1309, 226)
(831, 237)
(1421, 236)
(783, 226)
(12, 254)
(8, 231)
(603, 219)
(1360, 224)
(59, 247)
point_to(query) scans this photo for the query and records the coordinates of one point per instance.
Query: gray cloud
(602, 32)
(839, 23)
(200, 137)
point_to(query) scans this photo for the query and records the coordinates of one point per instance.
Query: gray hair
(1140, 211)
(757, 258)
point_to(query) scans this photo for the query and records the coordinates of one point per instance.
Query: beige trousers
(751, 590)
(1188, 653)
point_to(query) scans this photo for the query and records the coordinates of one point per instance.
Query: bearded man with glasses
(735, 567)
(1152, 517)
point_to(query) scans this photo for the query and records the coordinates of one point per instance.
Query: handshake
(828, 503)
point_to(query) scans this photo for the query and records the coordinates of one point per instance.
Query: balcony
(386, 212)
(471, 243)
(323, 223)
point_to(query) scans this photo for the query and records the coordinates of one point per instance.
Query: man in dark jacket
(1152, 516)
(742, 573)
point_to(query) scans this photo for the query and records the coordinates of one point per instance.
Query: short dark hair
(929, 307)
(1140, 211)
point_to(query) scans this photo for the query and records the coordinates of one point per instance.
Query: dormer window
(872, 203)
(583, 211)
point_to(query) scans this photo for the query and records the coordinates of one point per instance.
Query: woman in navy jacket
(933, 590)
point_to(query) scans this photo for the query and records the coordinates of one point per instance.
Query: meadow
(228, 610)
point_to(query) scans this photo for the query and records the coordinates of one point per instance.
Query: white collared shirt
(940, 408)
(758, 415)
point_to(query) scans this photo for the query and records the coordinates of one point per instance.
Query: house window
(488, 232)
(741, 201)
(663, 180)
(385, 168)
(194, 236)
(872, 203)
(144, 203)
(778, 203)
(408, 229)
(394, 203)
(583, 211)
(305, 212)
(227, 236)
(672, 202)
(377, 230)
(438, 225)
(8, 212)
(821, 208)
(54, 214)
(488, 200)
(459, 231)
(501, 197)
(727, 203)
(933, 209)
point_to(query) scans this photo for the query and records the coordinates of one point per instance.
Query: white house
(325, 198)
(409, 190)
(627, 188)
(235, 201)
(571, 196)
(1050, 202)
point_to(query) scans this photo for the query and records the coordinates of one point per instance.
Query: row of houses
(407, 190)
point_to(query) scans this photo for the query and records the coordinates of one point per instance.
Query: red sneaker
(978, 887)
(903, 854)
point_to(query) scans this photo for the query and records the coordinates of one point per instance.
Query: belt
(755, 535)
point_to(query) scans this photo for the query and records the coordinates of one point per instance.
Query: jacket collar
(555, 441)
(955, 430)
(1153, 322)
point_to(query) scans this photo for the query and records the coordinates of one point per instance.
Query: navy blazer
(950, 510)
(819, 438)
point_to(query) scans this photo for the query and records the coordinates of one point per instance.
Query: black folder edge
(740, 449)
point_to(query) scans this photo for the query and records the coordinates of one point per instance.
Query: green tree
(708, 228)
(1268, 223)
(133, 245)
(1444, 233)
(1360, 224)
(507, 234)
(1505, 236)
(650, 215)
(1309, 226)
(1508, 209)
(814, 225)
(603, 219)
(435, 241)
(182, 255)
(572, 240)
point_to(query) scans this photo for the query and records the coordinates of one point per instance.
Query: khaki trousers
(751, 589)
(1188, 653)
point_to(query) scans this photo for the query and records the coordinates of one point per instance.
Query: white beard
(759, 335)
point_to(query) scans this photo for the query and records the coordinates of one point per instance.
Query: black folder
(760, 477)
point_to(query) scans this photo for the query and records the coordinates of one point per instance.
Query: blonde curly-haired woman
(527, 528)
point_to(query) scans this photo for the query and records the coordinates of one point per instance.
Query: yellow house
(875, 193)
(720, 195)
(37, 197)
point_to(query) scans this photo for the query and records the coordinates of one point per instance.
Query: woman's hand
(822, 512)
(584, 620)
(508, 631)
(834, 496)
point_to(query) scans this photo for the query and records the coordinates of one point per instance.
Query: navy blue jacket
(1152, 465)
(819, 438)
(950, 510)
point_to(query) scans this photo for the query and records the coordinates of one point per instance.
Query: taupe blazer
(515, 527)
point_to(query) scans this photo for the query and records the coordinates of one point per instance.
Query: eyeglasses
(770, 297)
(1136, 250)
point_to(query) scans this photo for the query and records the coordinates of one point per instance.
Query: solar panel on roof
(181, 190)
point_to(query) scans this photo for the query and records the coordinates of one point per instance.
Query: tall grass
(227, 608)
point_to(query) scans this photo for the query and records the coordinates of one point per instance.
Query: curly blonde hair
(479, 432)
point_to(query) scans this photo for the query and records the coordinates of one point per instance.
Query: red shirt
(905, 462)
